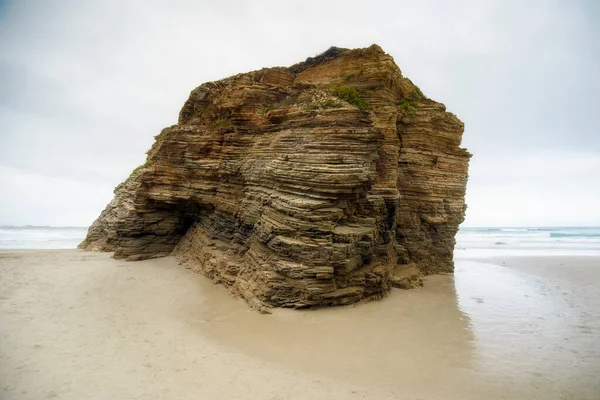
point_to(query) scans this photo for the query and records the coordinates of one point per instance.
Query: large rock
(311, 185)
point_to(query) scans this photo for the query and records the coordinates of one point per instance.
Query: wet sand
(77, 325)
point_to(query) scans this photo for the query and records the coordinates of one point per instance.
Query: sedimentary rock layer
(319, 184)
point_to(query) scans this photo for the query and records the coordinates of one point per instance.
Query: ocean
(534, 241)
(470, 242)
(41, 237)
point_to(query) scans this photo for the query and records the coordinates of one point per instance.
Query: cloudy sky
(85, 85)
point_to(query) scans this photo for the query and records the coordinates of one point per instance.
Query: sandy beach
(79, 325)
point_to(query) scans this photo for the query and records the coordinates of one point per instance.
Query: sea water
(470, 242)
(533, 241)
(41, 237)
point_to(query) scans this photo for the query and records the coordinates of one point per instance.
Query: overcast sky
(85, 85)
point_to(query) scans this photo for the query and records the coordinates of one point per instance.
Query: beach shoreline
(83, 325)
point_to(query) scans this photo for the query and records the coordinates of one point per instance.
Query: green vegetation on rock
(408, 106)
(351, 96)
(419, 93)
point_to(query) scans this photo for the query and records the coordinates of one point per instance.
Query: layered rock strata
(320, 184)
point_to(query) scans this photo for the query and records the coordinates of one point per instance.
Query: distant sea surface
(41, 237)
(547, 241)
(470, 242)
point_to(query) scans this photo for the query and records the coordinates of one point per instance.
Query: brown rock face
(319, 184)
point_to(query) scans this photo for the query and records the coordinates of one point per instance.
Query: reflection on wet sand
(536, 332)
(489, 330)
(411, 339)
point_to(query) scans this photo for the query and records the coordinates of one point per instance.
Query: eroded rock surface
(319, 184)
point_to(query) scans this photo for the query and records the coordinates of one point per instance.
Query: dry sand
(76, 325)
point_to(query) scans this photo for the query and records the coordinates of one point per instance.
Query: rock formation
(320, 184)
